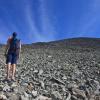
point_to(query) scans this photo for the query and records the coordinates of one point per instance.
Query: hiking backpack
(14, 46)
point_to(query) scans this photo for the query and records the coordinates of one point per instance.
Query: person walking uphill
(12, 54)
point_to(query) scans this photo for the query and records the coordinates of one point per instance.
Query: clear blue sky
(49, 20)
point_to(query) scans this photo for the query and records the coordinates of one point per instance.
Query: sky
(49, 20)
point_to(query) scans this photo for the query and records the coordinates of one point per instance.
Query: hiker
(12, 54)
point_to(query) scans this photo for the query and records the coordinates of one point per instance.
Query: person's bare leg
(13, 71)
(8, 70)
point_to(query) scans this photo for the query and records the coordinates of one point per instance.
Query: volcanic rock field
(66, 69)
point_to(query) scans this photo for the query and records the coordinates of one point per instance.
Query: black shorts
(11, 58)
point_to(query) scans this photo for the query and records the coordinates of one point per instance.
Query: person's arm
(7, 47)
(19, 49)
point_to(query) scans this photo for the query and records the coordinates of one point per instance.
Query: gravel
(59, 70)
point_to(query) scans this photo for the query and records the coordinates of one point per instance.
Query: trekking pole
(20, 61)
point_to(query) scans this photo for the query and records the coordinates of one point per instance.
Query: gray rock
(35, 71)
(3, 97)
(69, 96)
(73, 97)
(14, 97)
(40, 72)
(64, 77)
(79, 93)
(7, 88)
(56, 95)
(40, 97)
(24, 98)
(26, 95)
(1, 87)
(42, 84)
(34, 93)
(14, 85)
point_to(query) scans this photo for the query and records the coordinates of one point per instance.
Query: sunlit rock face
(59, 70)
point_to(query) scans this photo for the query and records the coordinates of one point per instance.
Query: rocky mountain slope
(59, 70)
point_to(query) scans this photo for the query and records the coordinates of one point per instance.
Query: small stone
(14, 97)
(24, 98)
(64, 78)
(79, 93)
(72, 85)
(59, 66)
(20, 89)
(24, 83)
(7, 88)
(68, 97)
(49, 56)
(97, 97)
(34, 93)
(14, 85)
(92, 97)
(40, 72)
(1, 87)
(43, 98)
(15, 89)
(30, 86)
(73, 97)
(26, 95)
(56, 95)
(3, 97)
(97, 92)
(42, 84)
(35, 71)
